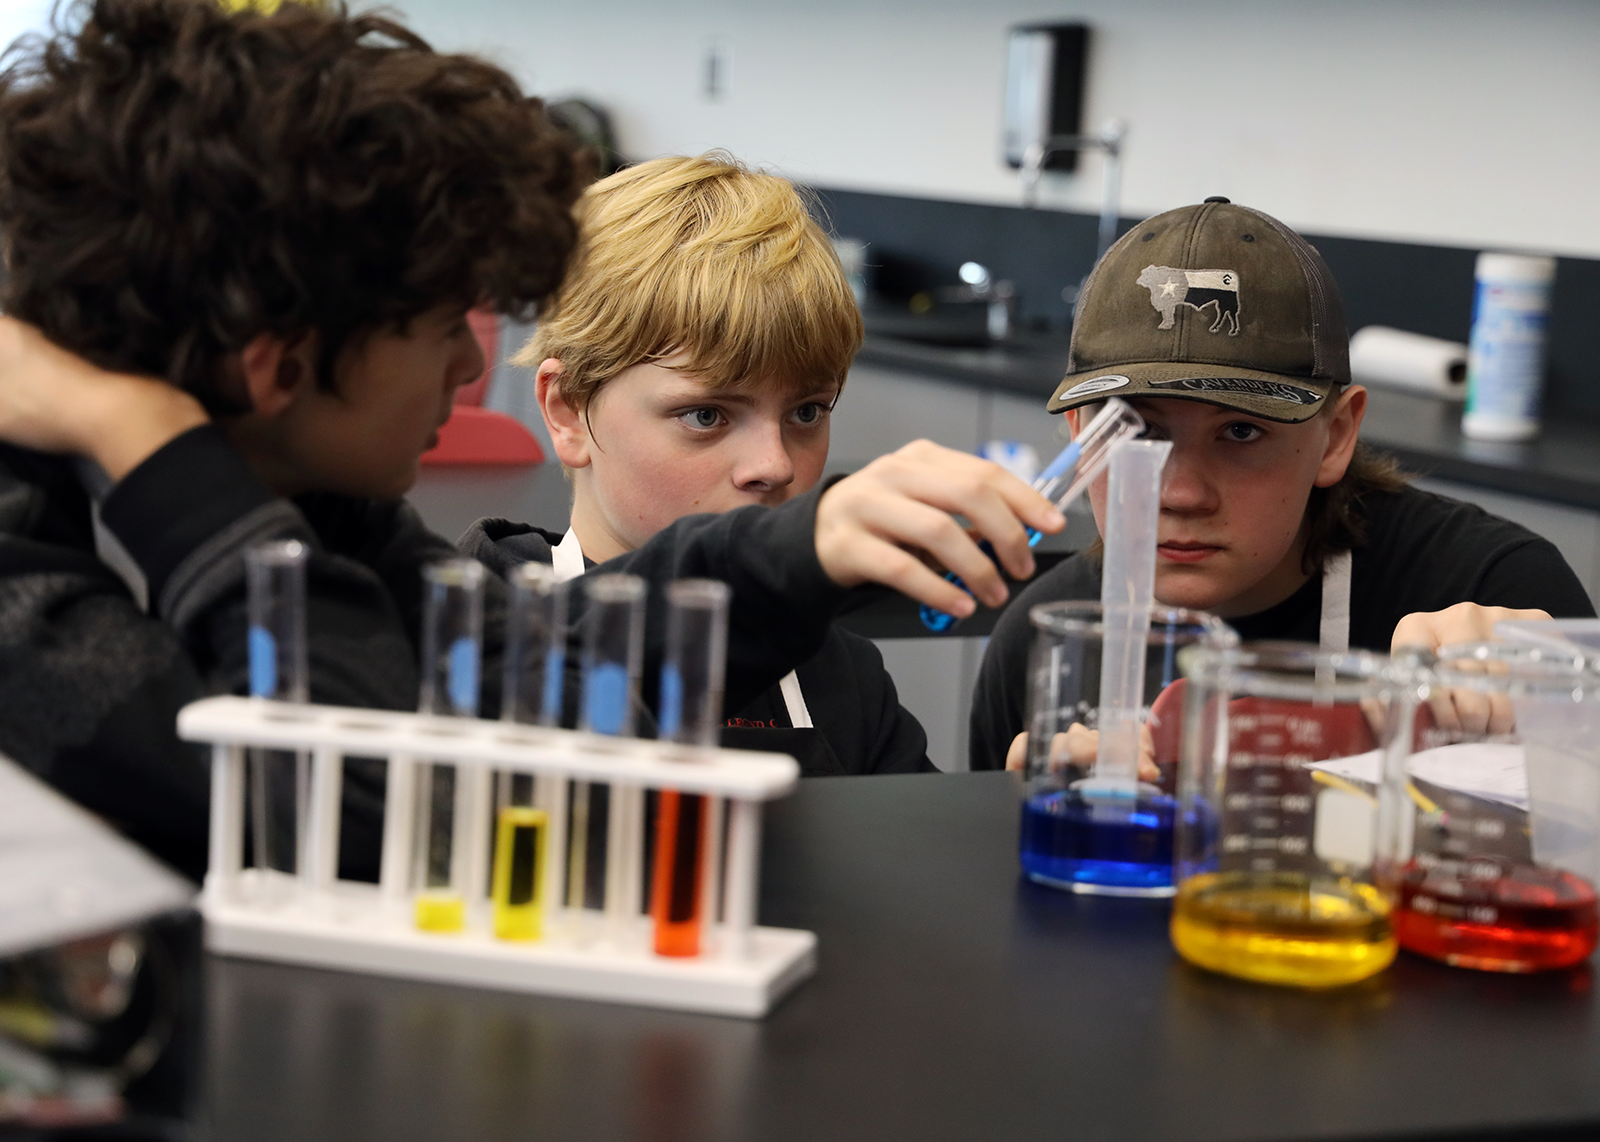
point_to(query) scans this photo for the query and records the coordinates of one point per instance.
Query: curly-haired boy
(281, 221)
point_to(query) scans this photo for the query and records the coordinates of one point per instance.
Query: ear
(569, 435)
(1074, 420)
(1344, 426)
(276, 371)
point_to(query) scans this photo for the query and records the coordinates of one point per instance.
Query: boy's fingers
(915, 525)
(883, 562)
(996, 503)
(1017, 752)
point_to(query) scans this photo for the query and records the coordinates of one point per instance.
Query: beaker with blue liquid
(1100, 805)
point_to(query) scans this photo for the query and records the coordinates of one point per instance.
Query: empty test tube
(452, 803)
(275, 575)
(691, 711)
(613, 653)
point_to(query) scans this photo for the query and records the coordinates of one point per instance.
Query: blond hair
(705, 258)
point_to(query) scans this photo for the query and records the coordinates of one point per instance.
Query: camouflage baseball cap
(1216, 303)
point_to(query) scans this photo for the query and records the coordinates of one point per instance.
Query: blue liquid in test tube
(1077, 466)
(275, 574)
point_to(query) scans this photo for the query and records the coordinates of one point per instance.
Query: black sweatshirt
(1424, 552)
(859, 724)
(90, 684)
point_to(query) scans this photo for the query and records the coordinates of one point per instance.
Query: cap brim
(1270, 396)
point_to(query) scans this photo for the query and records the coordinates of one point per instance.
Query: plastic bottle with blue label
(1505, 361)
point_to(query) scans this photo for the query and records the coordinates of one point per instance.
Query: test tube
(691, 712)
(450, 853)
(1064, 479)
(613, 652)
(536, 635)
(275, 575)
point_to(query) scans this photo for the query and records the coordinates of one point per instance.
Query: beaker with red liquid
(1504, 807)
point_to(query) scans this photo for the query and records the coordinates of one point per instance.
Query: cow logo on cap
(1170, 288)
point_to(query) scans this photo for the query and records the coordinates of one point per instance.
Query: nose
(764, 465)
(1184, 487)
(467, 362)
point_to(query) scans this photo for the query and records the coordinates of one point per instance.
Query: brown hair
(703, 257)
(176, 179)
(1334, 515)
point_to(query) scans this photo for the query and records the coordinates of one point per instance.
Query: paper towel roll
(1395, 359)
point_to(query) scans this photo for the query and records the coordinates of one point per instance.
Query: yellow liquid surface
(441, 912)
(1283, 928)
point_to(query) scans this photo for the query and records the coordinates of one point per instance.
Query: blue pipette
(1063, 481)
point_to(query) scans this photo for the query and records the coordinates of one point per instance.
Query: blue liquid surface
(1116, 846)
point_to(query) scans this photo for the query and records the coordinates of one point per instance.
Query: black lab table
(954, 1001)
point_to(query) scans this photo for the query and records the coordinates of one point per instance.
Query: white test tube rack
(316, 919)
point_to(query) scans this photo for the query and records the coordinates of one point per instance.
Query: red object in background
(481, 436)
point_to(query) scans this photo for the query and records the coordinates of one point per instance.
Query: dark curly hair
(176, 179)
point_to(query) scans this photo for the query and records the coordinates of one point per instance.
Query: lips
(1178, 551)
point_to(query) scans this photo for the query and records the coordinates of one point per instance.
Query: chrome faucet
(1109, 140)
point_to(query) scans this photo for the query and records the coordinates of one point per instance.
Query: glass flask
(1293, 764)
(1090, 823)
(1502, 818)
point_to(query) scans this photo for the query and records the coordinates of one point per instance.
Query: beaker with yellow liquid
(1292, 757)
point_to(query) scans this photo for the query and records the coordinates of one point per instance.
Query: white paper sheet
(64, 873)
(1494, 772)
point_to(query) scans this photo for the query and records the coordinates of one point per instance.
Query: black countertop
(953, 1000)
(1562, 465)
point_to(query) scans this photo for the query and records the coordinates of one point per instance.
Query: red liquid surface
(1528, 919)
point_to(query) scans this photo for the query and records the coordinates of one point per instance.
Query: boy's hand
(1457, 709)
(1464, 622)
(874, 526)
(1080, 745)
(53, 401)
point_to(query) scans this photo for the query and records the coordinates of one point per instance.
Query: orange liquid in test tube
(675, 900)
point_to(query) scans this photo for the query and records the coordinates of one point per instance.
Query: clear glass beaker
(1293, 762)
(1503, 811)
(1089, 822)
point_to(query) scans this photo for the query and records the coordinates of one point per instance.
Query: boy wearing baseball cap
(1225, 329)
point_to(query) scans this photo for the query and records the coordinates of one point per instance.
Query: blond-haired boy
(689, 365)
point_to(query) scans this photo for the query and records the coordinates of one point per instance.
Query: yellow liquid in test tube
(518, 889)
(1283, 928)
(441, 912)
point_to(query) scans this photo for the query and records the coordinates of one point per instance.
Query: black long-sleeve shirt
(1424, 552)
(91, 684)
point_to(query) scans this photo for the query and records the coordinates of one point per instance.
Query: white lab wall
(1468, 122)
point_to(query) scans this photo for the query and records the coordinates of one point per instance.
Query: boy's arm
(791, 567)
(53, 401)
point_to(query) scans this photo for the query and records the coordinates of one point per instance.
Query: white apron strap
(799, 713)
(1335, 634)
(567, 557)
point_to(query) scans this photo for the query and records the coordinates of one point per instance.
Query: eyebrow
(743, 398)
